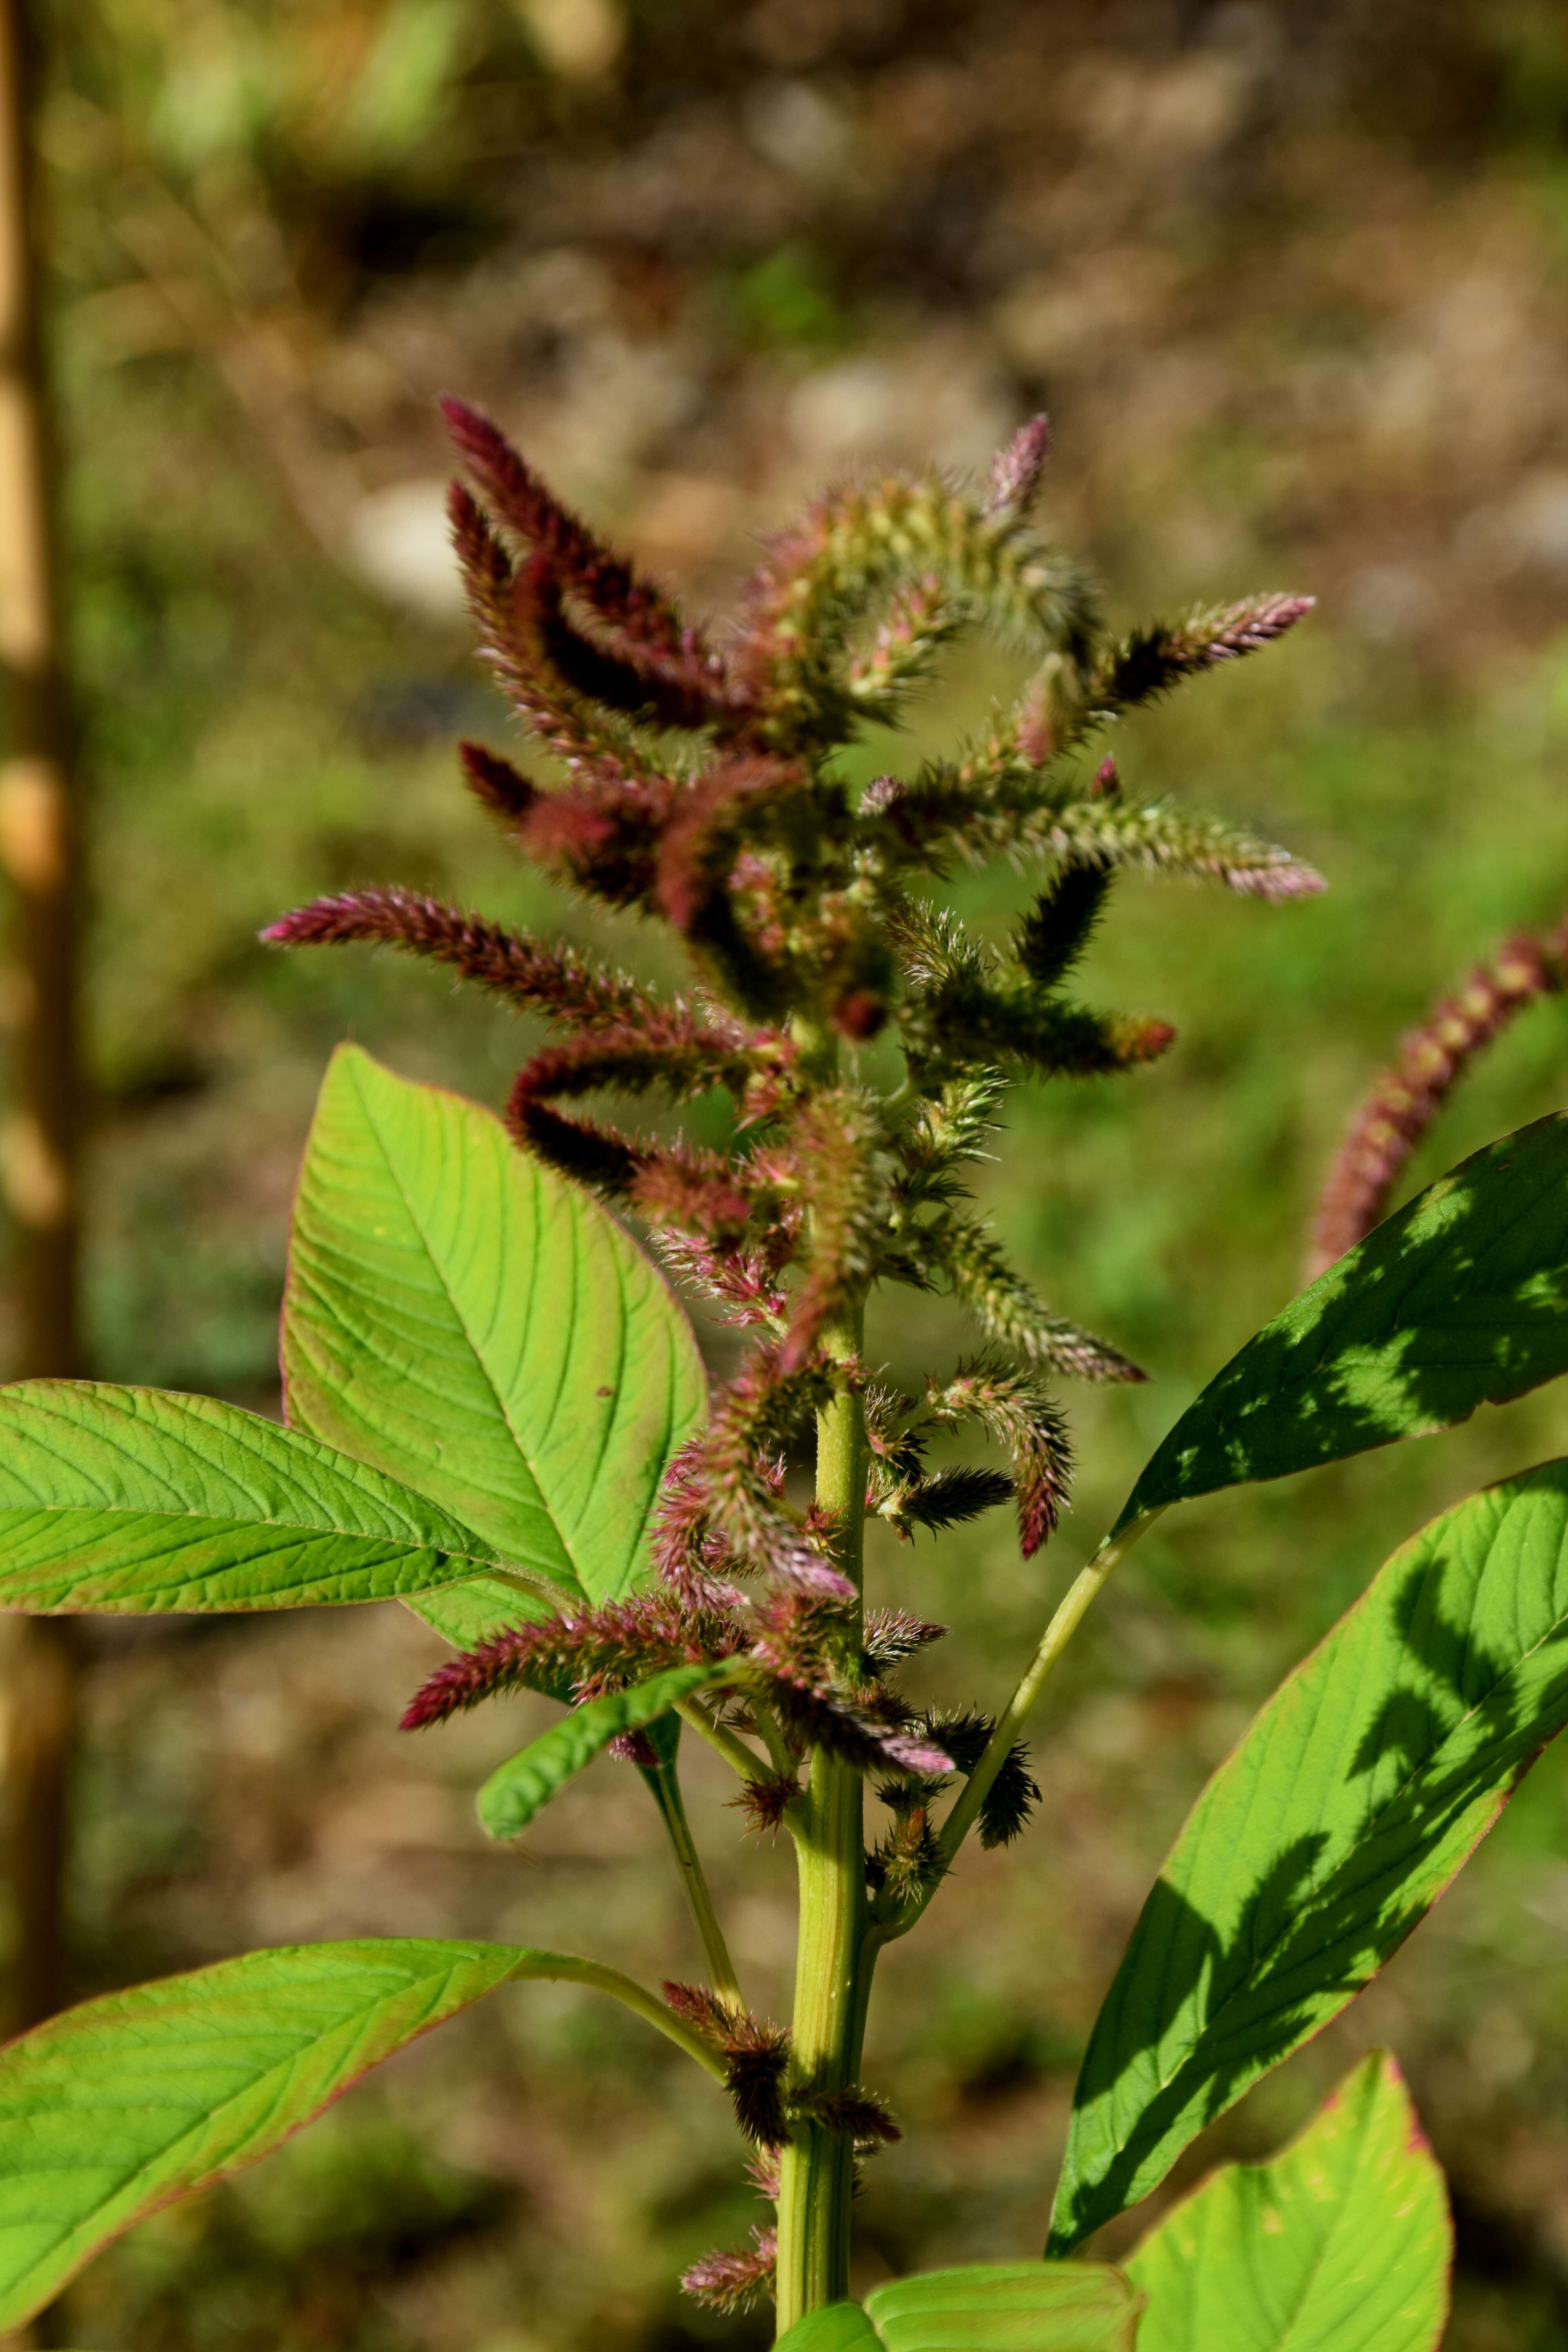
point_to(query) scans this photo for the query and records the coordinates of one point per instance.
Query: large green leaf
(461, 1316)
(984, 2308)
(128, 2102)
(128, 1499)
(1341, 2244)
(1459, 1300)
(1351, 1802)
(525, 1783)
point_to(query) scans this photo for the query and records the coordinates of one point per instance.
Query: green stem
(665, 1782)
(773, 1740)
(564, 1968)
(736, 1752)
(817, 2167)
(1015, 1714)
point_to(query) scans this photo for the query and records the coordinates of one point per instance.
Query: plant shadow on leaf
(1354, 1807)
(1459, 1299)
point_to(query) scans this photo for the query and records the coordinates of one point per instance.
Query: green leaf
(463, 1318)
(1008, 2307)
(129, 2102)
(984, 2308)
(1460, 1299)
(120, 1500)
(525, 1783)
(1351, 1802)
(835, 2327)
(1341, 2244)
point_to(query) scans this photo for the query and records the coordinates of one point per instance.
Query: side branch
(664, 1781)
(733, 1750)
(1010, 1723)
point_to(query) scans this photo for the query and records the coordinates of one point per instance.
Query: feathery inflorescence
(1406, 1097)
(696, 782)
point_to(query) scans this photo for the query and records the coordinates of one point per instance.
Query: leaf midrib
(1373, 1825)
(161, 2164)
(462, 1321)
(1418, 1273)
(1319, 2260)
(299, 1528)
(115, 1442)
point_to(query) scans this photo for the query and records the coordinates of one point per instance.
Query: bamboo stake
(40, 1134)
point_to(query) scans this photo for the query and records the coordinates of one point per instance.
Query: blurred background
(1293, 285)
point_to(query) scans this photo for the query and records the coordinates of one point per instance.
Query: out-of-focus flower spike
(1059, 927)
(1019, 469)
(553, 980)
(1407, 1097)
(660, 658)
(604, 580)
(893, 1634)
(1150, 661)
(737, 2279)
(496, 784)
(700, 1191)
(860, 545)
(635, 682)
(703, 837)
(668, 1047)
(505, 605)
(602, 833)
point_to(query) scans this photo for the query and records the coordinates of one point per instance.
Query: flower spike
(1407, 1097)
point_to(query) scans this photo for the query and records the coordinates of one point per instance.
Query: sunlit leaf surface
(125, 2102)
(1341, 2244)
(1460, 1299)
(1356, 1794)
(122, 1499)
(463, 1318)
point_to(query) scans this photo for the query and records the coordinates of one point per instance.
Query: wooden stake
(40, 1130)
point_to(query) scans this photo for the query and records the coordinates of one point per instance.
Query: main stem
(816, 2168)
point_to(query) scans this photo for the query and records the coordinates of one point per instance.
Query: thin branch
(665, 1782)
(1010, 1723)
(772, 1738)
(745, 1760)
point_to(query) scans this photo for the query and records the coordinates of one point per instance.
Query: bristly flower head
(1406, 1099)
(696, 781)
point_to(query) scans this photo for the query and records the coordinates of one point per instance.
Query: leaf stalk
(563, 1968)
(1069, 1614)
